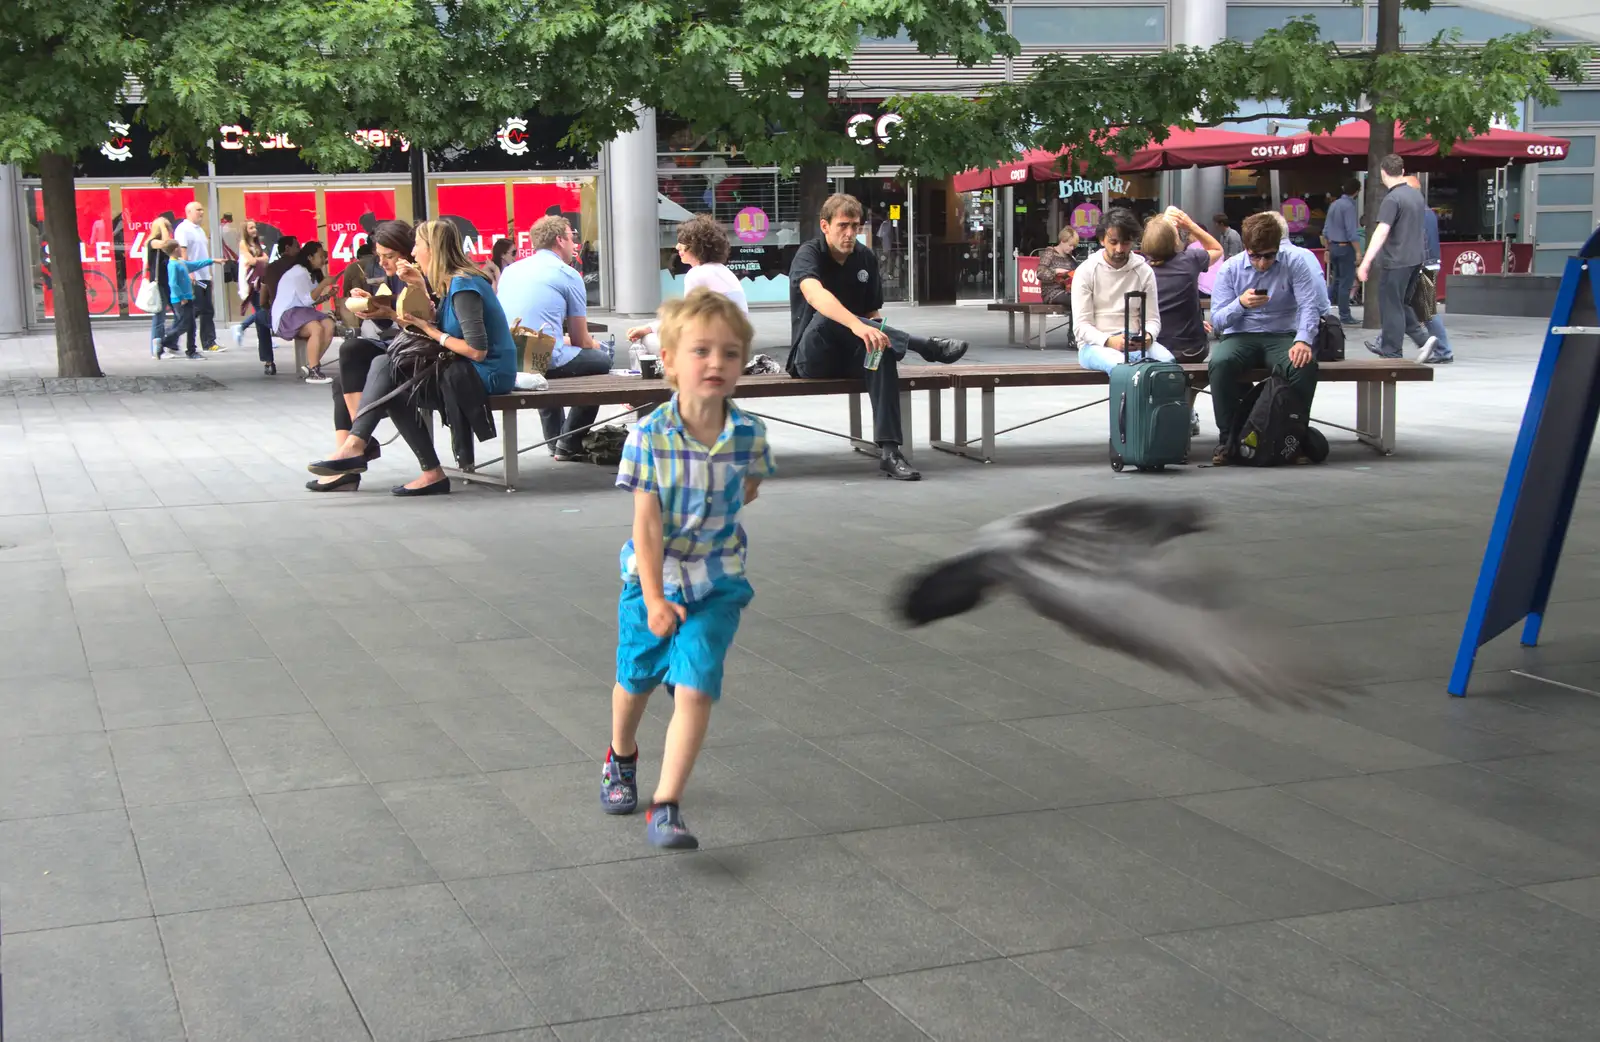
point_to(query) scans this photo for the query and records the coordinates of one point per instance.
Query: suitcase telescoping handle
(1127, 321)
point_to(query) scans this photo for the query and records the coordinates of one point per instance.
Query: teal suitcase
(1149, 404)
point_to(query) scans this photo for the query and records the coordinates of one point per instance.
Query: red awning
(1351, 139)
(1204, 146)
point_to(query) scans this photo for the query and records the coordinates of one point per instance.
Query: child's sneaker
(619, 789)
(666, 828)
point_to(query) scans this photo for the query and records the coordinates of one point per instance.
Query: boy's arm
(648, 550)
(761, 466)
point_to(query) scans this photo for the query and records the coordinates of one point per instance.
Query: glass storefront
(758, 207)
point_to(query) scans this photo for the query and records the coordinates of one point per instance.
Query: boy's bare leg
(626, 711)
(691, 713)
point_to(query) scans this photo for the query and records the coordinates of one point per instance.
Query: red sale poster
(531, 200)
(479, 214)
(95, 251)
(140, 208)
(282, 213)
(353, 215)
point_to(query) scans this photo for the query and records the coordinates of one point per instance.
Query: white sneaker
(1194, 425)
(1425, 352)
(238, 335)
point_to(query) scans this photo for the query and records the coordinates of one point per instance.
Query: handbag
(417, 362)
(1329, 345)
(1425, 295)
(148, 299)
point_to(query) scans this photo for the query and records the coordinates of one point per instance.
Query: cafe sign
(1083, 186)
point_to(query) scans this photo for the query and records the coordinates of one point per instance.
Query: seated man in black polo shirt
(834, 302)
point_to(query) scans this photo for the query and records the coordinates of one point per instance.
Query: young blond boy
(692, 465)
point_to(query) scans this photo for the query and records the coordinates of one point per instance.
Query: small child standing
(693, 464)
(181, 291)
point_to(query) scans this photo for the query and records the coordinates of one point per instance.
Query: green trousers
(1234, 356)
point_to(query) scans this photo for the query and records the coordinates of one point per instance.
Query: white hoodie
(1097, 294)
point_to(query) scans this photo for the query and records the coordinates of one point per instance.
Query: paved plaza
(297, 768)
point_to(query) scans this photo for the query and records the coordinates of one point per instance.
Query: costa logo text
(1547, 150)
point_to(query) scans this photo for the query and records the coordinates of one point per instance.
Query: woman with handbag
(422, 369)
(155, 274)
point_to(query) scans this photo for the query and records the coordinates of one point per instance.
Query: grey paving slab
(1321, 992)
(987, 1000)
(1145, 993)
(500, 732)
(1137, 759)
(824, 790)
(259, 972)
(247, 688)
(1052, 777)
(927, 776)
(1570, 822)
(1330, 739)
(700, 1022)
(174, 764)
(210, 854)
(1554, 940)
(1252, 755)
(57, 774)
(417, 968)
(573, 952)
(397, 743)
(1577, 895)
(468, 827)
(1498, 991)
(335, 840)
(1381, 864)
(48, 705)
(859, 914)
(69, 870)
(282, 753)
(1009, 908)
(148, 697)
(563, 802)
(217, 638)
(725, 940)
(105, 981)
(841, 1013)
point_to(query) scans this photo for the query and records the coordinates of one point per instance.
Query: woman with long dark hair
(470, 324)
(252, 265)
(294, 308)
(499, 257)
(391, 242)
(155, 270)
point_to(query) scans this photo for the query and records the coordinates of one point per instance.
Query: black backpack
(1270, 426)
(1329, 346)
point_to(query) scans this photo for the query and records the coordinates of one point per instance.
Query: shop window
(485, 211)
(901, 38)
(1418, 27)
(759, 210)
(1575, 106)
(1564, 225)
(1341, 24)
(1566, 189)
(1069, 26)
(1550, 262)
(1580, 155)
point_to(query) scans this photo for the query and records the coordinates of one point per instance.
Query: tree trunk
(1380, 142)
(75, 354)
(814, 190)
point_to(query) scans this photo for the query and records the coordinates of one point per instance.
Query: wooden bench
(630, 391)
(1027, 311)
(1375, 381)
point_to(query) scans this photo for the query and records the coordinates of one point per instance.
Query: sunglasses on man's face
(1269, 255)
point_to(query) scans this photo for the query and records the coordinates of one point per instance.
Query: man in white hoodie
(1098, 290)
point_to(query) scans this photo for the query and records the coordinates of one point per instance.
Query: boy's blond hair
(701, 305)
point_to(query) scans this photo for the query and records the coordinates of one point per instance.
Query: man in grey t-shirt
(1397, 247)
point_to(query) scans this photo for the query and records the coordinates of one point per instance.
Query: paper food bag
(414, 302)
(534, 348)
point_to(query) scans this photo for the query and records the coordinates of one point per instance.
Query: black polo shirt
(855, 282)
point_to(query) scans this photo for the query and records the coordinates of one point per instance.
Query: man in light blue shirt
(1265, 307)
(1341, 230)
(546, 294)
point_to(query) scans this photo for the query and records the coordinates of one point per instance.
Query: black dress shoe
(943, 349)
(330, 467)
(438, 488)
(342, 483)
(895, 466)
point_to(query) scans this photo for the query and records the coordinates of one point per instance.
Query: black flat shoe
(438, 488)
(373, 450)
(342, 483)
(945, 350)
(328, 468)
(895, 466)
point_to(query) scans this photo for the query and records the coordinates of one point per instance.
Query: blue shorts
(693, 656)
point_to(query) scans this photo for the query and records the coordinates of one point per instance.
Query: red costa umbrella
(1351, 140)
(1204, 146)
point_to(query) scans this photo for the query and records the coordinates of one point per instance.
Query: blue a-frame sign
(1519, 566)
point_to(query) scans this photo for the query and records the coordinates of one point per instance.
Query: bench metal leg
(1375, 414)
(981, 448)
(935, 415)
(1027, 328)
(987, 408)
(508, 444)
(857, 442)
(1011, 327)
(300, 346)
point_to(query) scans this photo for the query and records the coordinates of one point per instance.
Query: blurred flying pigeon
(1094, 566)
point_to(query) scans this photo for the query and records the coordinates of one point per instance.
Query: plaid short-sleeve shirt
(701, 490)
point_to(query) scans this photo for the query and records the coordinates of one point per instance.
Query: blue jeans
(1342, 268)
(1435, 327)
(1096, 356)
(158, 322)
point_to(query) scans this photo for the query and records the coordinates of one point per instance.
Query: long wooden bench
(629, 391)
(1375, 380)
(1027, 311)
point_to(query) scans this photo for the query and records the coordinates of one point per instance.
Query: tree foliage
(1096, 107)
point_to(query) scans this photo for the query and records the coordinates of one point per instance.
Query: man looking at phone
(1265, 310)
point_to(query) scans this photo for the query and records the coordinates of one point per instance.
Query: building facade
(936, 245)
